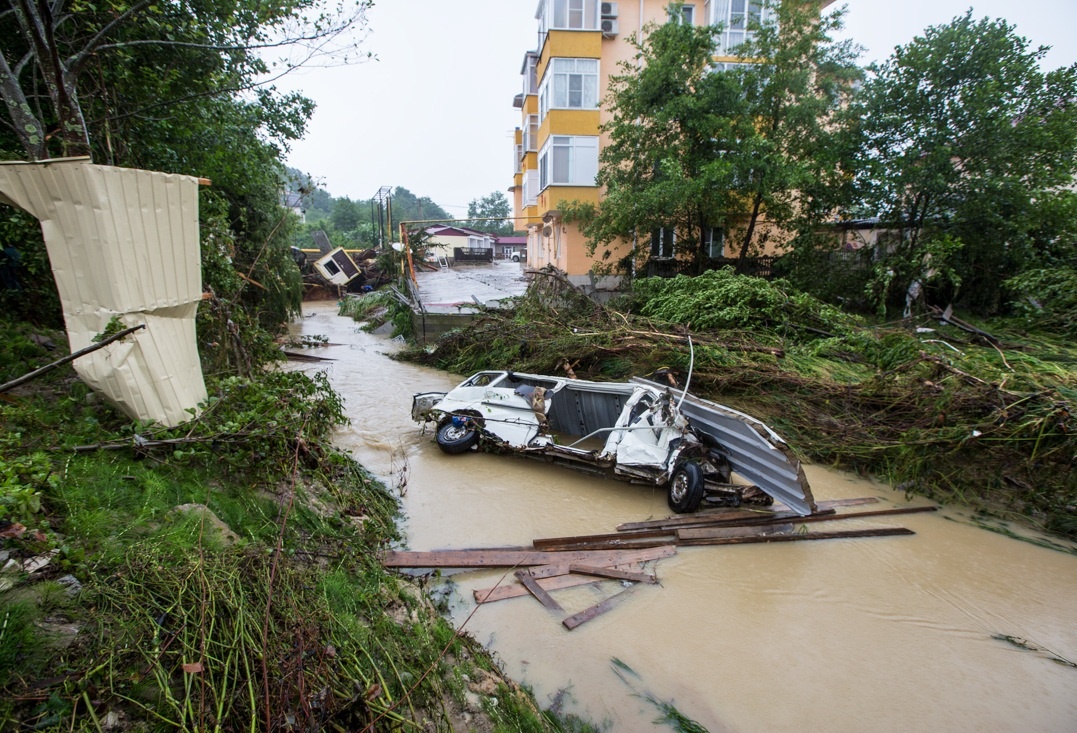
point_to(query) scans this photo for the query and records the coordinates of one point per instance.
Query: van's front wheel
(686, 488)
(456, 436)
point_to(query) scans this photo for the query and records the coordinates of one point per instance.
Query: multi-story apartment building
(580, 45)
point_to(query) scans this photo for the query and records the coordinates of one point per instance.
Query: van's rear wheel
(457, 436)
(686, 488)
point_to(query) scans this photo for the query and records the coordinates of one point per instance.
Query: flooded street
(880, 634)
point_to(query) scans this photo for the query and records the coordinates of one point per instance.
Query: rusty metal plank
(519, 557)
(537, 591)
(614, 574)
(598, 609)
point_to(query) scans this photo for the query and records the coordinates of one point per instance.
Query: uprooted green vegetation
(218, 575)
(928, 407)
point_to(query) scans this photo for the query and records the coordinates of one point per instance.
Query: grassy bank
(931, 408)
(220, 575)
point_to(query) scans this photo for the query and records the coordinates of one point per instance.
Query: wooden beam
(515, 590)
(707, 515)
(803, 537)
(547, 571)
(689, 533)
(614, 574)
(519, 557)
(537, 591)
(618, 540)
(598, 609)
(737, 520)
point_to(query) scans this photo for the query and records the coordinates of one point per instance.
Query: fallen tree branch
(139, 442)
(70, 357)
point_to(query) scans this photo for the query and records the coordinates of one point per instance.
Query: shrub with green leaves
(1047, 298)
(722, 299)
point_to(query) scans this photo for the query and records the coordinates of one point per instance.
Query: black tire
(456, 440)
(686, 488)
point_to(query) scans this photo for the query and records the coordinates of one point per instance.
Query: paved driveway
(452, 289)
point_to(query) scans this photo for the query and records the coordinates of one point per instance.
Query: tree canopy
(969, 149)
(700, 151)
(490, 214)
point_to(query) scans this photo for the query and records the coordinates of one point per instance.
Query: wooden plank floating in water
(614, 574)
(803, 537)
(519, 557)
(721, 515)
(700, 532)
(537, 591)
(515, 590)
(598, 609)
(547, 571)
(650, 538)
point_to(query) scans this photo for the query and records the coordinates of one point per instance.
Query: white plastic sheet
(122, 243)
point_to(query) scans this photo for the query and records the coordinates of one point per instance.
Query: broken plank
(537, 591)
(515, 590)
(614, 574)
(805, 536)
(715, 532)
(678, 523)
(519, 557)
(598, 609)
(707, 516)
(547, 571)
(585, 538)
(689, 533)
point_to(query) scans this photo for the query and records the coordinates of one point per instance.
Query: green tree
(663, 167)
(701, 153)
(51, 52)
(345, 214)
(799, 78)
(490, 214)
(968, 150)
(409, 207)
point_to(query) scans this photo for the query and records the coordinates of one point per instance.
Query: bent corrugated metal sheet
(122, 243)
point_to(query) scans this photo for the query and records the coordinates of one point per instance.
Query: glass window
(686, 16)
(568, 161)
(576, 15)
(569, 84)
(714, 242)
(662, 241)
(531, 133)
(738, 19)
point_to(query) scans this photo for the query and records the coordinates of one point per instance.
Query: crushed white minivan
(638, 431)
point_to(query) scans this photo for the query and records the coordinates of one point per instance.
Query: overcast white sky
(434, 113)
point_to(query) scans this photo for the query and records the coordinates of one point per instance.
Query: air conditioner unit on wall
(547, 231)
(609, 27)
(609, 10)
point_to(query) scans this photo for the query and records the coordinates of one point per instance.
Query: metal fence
(467, 254)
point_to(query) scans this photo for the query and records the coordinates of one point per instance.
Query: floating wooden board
(690, 533)
(547, 571)
(802, 537)
(763, 531)
(613, 574)
(598, 609)
(538, 591)
(519, 557)
(711, 515)
(651, 538)
(515, 590)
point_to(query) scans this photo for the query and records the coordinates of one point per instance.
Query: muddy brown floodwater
(882, 634)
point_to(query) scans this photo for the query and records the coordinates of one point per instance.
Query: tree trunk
(750, 231)
(28, 129)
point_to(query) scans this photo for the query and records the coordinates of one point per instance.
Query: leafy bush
(1047, 298)
(722, 299)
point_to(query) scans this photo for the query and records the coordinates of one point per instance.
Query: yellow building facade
(582, 43)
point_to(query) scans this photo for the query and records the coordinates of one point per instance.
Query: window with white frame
(573, 15)
(714, 242)
(569, 84)
(531, 133)
(686, 16)
(738, 18)
(530, 73)
(518, 157)
(662, 241)
(568, 161)
(531, 188)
